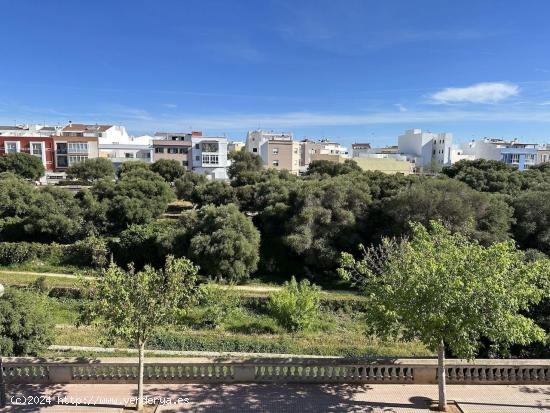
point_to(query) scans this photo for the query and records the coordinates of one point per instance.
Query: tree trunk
(139, 405)
(441, 377)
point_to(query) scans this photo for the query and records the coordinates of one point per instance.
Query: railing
(275, 370)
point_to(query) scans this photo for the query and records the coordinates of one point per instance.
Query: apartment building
(543, 154)
(255, 139)
(281, 155)
(209, 155)
(323, 149)
(36, 140)
(427, 150)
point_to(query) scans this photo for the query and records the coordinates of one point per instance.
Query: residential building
(178, 150)
(70, 149)
(323, 149)
(235, 146)
(427, 150)
(523, 157)
(36, 140)
(106, 134)
(139, 148)
(358, 149)
(209, 156)
(255, 139)
(543, 154)
(283, 154)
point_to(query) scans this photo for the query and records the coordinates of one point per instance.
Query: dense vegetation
(267, 224)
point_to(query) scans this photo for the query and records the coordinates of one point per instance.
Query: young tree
(130, 305)
(448, 291)
(92, 169)
(23, 164)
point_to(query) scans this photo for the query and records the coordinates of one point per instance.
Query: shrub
(217, 304)
(89, 252)
(25, 324)
(296, 306)
(19, 252)
(180, 341)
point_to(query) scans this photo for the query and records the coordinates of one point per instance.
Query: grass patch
(26, 279)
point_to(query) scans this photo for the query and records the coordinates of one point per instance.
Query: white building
(426, 149)
(322, 149)
(209, 156)
(255, 139)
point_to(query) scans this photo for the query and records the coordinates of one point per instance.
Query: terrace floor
(376, 398)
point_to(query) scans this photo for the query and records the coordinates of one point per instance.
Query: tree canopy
(169, 169)
(23, 164)
(91, 169)
(449, 291)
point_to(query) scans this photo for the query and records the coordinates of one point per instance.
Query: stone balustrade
(274, 370)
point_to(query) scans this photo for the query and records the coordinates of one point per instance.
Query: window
(76, 158)
(78, 147)
(197, 158)
(173, 150)
(128, 155)
(197, 146)
(275, 163)
(182, 150)
(254, 149)
(159, 150)
(210, 146)
(276, 151)
(61, 148)
(184, 163)
(210, 159)
(12, 147)
(36, 149)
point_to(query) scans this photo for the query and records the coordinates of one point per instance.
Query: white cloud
(478, 93)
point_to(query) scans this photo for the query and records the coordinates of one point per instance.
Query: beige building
(281, 154)
(389, 165)
(178, 150)
(543, 154)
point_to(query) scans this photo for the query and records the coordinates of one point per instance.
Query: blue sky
(350, 70)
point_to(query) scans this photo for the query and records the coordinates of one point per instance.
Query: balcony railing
(275, 370)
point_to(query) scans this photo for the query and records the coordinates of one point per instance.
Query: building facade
(209, 156)
(255, 139)
(322, 149)
(281, 155)
(427, 150)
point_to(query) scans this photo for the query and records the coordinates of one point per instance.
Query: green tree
(131, 305)
(138, 197)
(532, 220)
(486, 217)
(54, 215)
(448, 291)
(25, 323)
(91, 169)
(243, 166)
(169, 169)
(213, 192)
(221, 240)
(23, 164)
(129, 166)
(187, 183)
(332, 168)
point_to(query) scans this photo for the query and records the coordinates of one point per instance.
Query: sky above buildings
(352, 70)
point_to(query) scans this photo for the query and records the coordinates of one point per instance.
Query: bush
(19, 252)
(296, 306)
(217, 304)
(89, 252)
(25, 324)
(180, 341)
